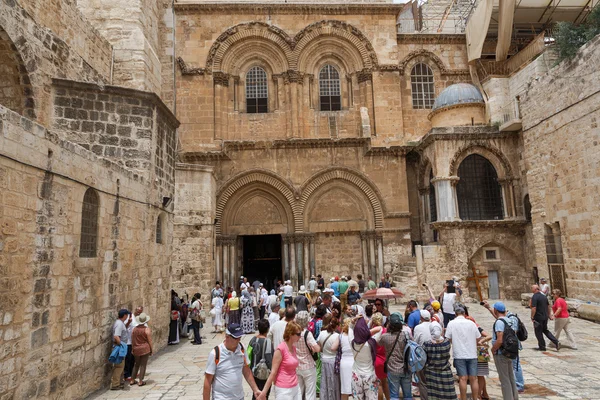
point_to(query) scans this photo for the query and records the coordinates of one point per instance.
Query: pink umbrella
(382, 293)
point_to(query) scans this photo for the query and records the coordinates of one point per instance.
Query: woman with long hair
(364, 381)
(377, 329)
(329, 342)
(285, 362)
(305, 348)
(314, 327)
(346, 360)
(247, 312)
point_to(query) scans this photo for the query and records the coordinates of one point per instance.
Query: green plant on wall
(570, 37)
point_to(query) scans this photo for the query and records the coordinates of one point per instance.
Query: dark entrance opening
(262, 259)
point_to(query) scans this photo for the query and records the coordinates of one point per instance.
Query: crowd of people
(327, 341)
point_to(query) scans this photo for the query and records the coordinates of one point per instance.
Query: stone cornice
(201, 156)
(462, 133)
(430, 38)
(501, 223)
(388, 151)
(287, 8)
(194, 167)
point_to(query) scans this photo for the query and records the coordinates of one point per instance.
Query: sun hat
(142, 318)
(302, 289)
(235, 331)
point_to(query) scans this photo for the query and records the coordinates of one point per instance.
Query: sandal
(142, 383)
(133, 382)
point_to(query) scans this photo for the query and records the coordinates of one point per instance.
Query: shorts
(465, 367)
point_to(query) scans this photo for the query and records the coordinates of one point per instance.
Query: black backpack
(521, 331)
(510, 343)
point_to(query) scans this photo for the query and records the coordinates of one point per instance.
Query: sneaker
(558, 346)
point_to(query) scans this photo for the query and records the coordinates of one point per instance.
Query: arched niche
(338, 206)
(15, 87)
(257, 210)
(493, 155)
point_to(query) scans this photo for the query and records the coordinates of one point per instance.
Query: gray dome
(459, 93)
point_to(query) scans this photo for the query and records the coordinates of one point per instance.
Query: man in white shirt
(223, 375)
(421, 332)
(288, 293)
(463, 335)
(276, 331)
(312, 286)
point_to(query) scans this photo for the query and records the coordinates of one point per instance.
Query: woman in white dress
(217, 312)
(347, 360)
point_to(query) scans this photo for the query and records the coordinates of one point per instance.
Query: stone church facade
(173, 146)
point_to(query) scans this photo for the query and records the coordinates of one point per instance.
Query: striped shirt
(305, 360)
(396, 359)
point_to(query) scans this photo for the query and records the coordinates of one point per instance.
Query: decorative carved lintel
(221, 78)
(186, 70)
(365, 75)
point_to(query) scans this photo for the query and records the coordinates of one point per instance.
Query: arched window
(256, 91)
(478, 191)
(423, 91)
(432, 201)
(329, 89)
(159, 228)
(89, 224)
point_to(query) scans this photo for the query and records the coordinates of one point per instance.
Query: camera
(482, 303)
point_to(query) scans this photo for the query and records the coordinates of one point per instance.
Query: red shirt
(564, 312)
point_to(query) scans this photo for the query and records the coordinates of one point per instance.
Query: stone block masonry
(57, 308)
(131, 128)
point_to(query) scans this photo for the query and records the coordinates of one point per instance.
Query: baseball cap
(396, 319)
(425, 315)
(499, 306)
(235, 331)
(123, 312)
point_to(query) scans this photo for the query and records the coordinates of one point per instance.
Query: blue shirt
(335, 288)
(414, 319)
(499, 327)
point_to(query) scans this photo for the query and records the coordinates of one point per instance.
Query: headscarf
(362, 334)
(233, 294)
(272, 292)
(435, 330)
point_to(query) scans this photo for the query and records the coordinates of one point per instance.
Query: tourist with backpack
(262, 355)
(505, 348)
(226, 365)
(518, 326)
(307, 350)
(438, 374)
(463, 335)
(394, 341)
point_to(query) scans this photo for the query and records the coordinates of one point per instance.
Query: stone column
(365, 253)
(299, 277)
(232, 261)
(226, 278)
(313, 268)
(379, 240)
(445, 190)
(286, 257)
(218, 266)
(292, 238)
(508, 209)
(372, 265)
(307, 271)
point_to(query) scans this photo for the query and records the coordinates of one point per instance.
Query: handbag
(315, 356)
(483, 355)
(213, 312)
(338, 358)
(387, 357)
(261, 370)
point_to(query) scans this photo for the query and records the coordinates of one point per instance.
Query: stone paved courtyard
(177, 372)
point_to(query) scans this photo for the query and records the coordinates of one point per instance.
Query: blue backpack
(415, 357)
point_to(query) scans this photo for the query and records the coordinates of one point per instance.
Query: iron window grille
(329, 89)
(423, 90)
(432, 201)
(89, 224)
(257, 94)
(478, 191)
(159, 236)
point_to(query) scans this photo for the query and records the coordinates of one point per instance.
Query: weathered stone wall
(131, 128)
(42, 55)
(135, 39)
(561, 155)
(338, 254)
(58, 308)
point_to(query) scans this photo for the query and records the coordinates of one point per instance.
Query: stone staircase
(405, 278)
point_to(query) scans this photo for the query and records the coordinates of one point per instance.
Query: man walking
(119, 338)
(540, 312)
(463, 335)
(226, 365)
(504, 365)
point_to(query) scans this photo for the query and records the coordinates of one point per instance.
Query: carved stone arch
(348, 34)
(338, 205)
(484, 149)
(512, 245)
(269, 179)
(421, 55)
(254, 50)
(367, 187)
(16, 92)
(425, 168)
(257, 209)
(321, 49)
(243, 32)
